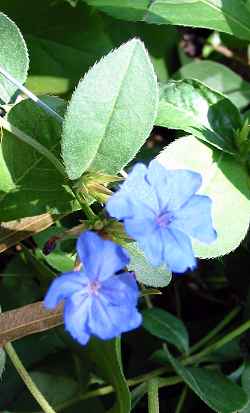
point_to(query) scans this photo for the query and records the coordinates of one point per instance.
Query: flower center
(93, 287)
(163, 220)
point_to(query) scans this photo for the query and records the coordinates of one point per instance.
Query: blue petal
(141, 225)
(75, 318)
(173, 187)
(178, 253)
(195, 219)
(101, 258)
(121, 289)
(107, 321)
(152, 246)
(63, 287)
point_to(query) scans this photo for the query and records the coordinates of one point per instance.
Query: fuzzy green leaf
(13, 57)
(111, 112)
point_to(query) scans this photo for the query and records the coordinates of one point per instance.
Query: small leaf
(29, 183)
(164, 325)
(218, 392)
(225, 181)
(191, 106)
(13, 232)
(219, 78)
(144, 271)
(111, 112)
(30, 319)
(13, 57)
(106, 355)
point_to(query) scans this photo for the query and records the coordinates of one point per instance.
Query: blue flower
(161, 211)
(97, 301)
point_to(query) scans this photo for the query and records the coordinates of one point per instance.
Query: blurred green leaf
(13, 57)
(191, 106)
(245, 382)
(218, 77)
(225, 181)
(167, 327)
(29, 184)
(111, 113)
(144, 271)
(230, 16)
(218, 392)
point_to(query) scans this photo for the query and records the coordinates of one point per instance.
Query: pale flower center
(93, 287)
(163, 220)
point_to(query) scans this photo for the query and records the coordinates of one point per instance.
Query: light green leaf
(13, 57)
(193, 107)
(106, 355)
(225, 181)
(144, 271)
(164, 325)
(218, 77)
(229, 16)
(111, 112)
(218, 392)
(29, 183)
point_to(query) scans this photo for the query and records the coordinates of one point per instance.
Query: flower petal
(75, 318)
(173, 187)
(63, 287)
(152, 246)
(101, 258)
(107, 321)
(121, 289)
(178, 253)
(195, 219)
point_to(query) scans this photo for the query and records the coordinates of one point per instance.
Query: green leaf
(145, 272)
(29, 183)
(193, 107)
(111, 112)
(225, 181)
(218, 392)
(106, 355)
(229, 16)
(2, 361)
(13, 57)
(245, 381)
(218, 77)
(164, 325)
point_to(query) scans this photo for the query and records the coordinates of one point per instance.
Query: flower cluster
(161, 210)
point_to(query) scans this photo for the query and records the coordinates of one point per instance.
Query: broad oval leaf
(225, 181)
(144, 271)
(219, 78)
(29, 183)
(193, 107)
(111, 112)
(13, 57)
(164, 325)
(229, 16)
(218, 392)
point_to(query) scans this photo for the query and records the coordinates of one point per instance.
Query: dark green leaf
(164, 325)
(193, 107)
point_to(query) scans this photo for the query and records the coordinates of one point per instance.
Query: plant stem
(216, 330)
(153, 396)
(27, 379)
(32, 142)
(28, 93)
(181, 400)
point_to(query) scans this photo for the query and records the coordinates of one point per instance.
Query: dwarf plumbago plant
(124, 162)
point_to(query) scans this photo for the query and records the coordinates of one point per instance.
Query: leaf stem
(216, 330)
(181, 400)
(153, 396)
(27, 379)
(32, 142)
(31, 95)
